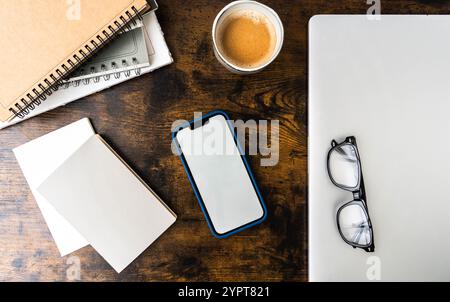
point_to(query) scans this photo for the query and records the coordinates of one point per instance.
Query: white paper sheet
(38, 159)
(107, 203)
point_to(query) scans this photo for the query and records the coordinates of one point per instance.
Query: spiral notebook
(47, 41)
(159, 56)
(126, 54)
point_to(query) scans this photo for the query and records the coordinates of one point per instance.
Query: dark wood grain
(136, 117)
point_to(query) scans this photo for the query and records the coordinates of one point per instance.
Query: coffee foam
(257, 18)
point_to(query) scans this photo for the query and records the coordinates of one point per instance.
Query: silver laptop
(387, 83)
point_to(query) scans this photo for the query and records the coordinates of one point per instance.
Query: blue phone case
(194, 186)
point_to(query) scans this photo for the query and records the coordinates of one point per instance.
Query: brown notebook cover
(43, 40)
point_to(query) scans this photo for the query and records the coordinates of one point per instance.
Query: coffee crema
(246, 39)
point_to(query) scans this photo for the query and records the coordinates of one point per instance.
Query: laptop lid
(386, 82)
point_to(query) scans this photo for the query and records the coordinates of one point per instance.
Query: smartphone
(220, 174)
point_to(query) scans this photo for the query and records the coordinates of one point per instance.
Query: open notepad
(89, 195)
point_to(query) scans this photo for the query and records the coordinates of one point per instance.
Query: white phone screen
(220, 174)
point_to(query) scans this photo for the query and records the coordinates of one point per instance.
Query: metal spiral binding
(96, 79)
(53, 82)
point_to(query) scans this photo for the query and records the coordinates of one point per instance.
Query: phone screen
(220, 175)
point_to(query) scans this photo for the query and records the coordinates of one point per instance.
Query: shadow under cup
(247, 9)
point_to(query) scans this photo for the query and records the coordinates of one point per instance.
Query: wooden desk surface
(136, 117)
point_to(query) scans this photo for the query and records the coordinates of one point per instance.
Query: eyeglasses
(344, 169)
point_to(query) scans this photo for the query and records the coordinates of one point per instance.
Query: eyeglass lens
(354, 225)
(344, 166)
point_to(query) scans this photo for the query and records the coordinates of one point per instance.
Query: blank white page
(220, 175)
(107, 203)
(38, 159)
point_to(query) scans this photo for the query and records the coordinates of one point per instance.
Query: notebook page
(111, 207)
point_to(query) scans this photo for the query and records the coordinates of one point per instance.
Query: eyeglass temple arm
(362, 188)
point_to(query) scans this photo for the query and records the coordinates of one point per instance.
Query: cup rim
(275, 54)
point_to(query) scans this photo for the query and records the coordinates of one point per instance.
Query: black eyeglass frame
(359, 194)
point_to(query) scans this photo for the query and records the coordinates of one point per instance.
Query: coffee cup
(247, 36)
